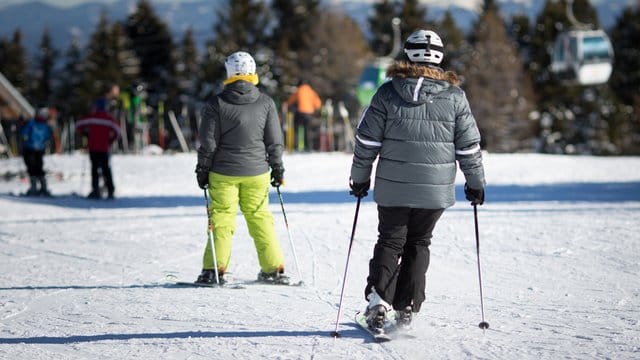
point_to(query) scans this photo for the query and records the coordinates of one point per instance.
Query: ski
(391, 330)
(197, 284)
(361, 320)
(173, 280)
(258, 282)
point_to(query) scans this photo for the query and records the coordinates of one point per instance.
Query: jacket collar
(403, 69)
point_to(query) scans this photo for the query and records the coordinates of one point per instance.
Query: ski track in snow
(559, 238)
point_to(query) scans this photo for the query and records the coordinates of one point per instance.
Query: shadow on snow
(352, 333)
(569, 192)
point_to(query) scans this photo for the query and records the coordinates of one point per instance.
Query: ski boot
(33, 189)
(43, 187)
(376, 317)
(208, 276)
(94, 195)
(376, 312)
(404, 317)
(276, 278)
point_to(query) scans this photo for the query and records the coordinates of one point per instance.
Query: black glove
(202, 175)
(475, 196)
(359, 190)
(277, 176)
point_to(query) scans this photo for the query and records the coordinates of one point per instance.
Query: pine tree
(124, 55)
(489, 5)
(413, 17)
(380, 24)
(153, 45)
(500, 93)
(338, 53)
(101, 63)
(625, 37)
(187, 66)
(454, 42)
(521, 33)
(68, 94)
(13, 64)
(241, 26)
(289, 37)
(42, 91)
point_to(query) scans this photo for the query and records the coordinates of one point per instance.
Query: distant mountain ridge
(79, 21)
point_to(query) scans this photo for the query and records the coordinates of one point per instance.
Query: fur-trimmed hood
(417, 84)
(403, 69)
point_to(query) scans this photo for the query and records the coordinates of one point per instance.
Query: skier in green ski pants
(241, 140)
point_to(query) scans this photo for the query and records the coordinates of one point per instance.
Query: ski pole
(483, 324)
(286, 223)
(335, 333)
(210, 238)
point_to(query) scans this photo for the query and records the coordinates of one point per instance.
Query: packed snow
(79, 279)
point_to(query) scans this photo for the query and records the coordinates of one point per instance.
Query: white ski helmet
(240, 63)
(424, 46)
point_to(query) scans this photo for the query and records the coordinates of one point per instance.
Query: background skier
(306, 102)
(418, 124)
(240, 139)
(101, 130)
(36, 134)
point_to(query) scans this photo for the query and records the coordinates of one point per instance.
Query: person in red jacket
(101, 130)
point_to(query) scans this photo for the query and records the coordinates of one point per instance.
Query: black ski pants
(401, 255)
(301, 125)
(33, 161)
(100, 165)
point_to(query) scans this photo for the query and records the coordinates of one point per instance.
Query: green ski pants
(252, 193)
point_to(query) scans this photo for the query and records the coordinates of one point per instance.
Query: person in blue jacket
(36, 134)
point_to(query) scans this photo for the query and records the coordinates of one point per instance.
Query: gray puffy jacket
(240, 132)
(418, 124)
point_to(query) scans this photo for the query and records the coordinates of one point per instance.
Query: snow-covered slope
(84, 279)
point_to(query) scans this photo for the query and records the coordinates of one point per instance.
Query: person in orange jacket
(307, 102)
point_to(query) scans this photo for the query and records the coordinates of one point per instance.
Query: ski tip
(335, 334)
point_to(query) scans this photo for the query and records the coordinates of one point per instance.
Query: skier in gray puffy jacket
(418, 125)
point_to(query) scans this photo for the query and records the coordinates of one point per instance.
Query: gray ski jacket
(240, 132)
(417, 126)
